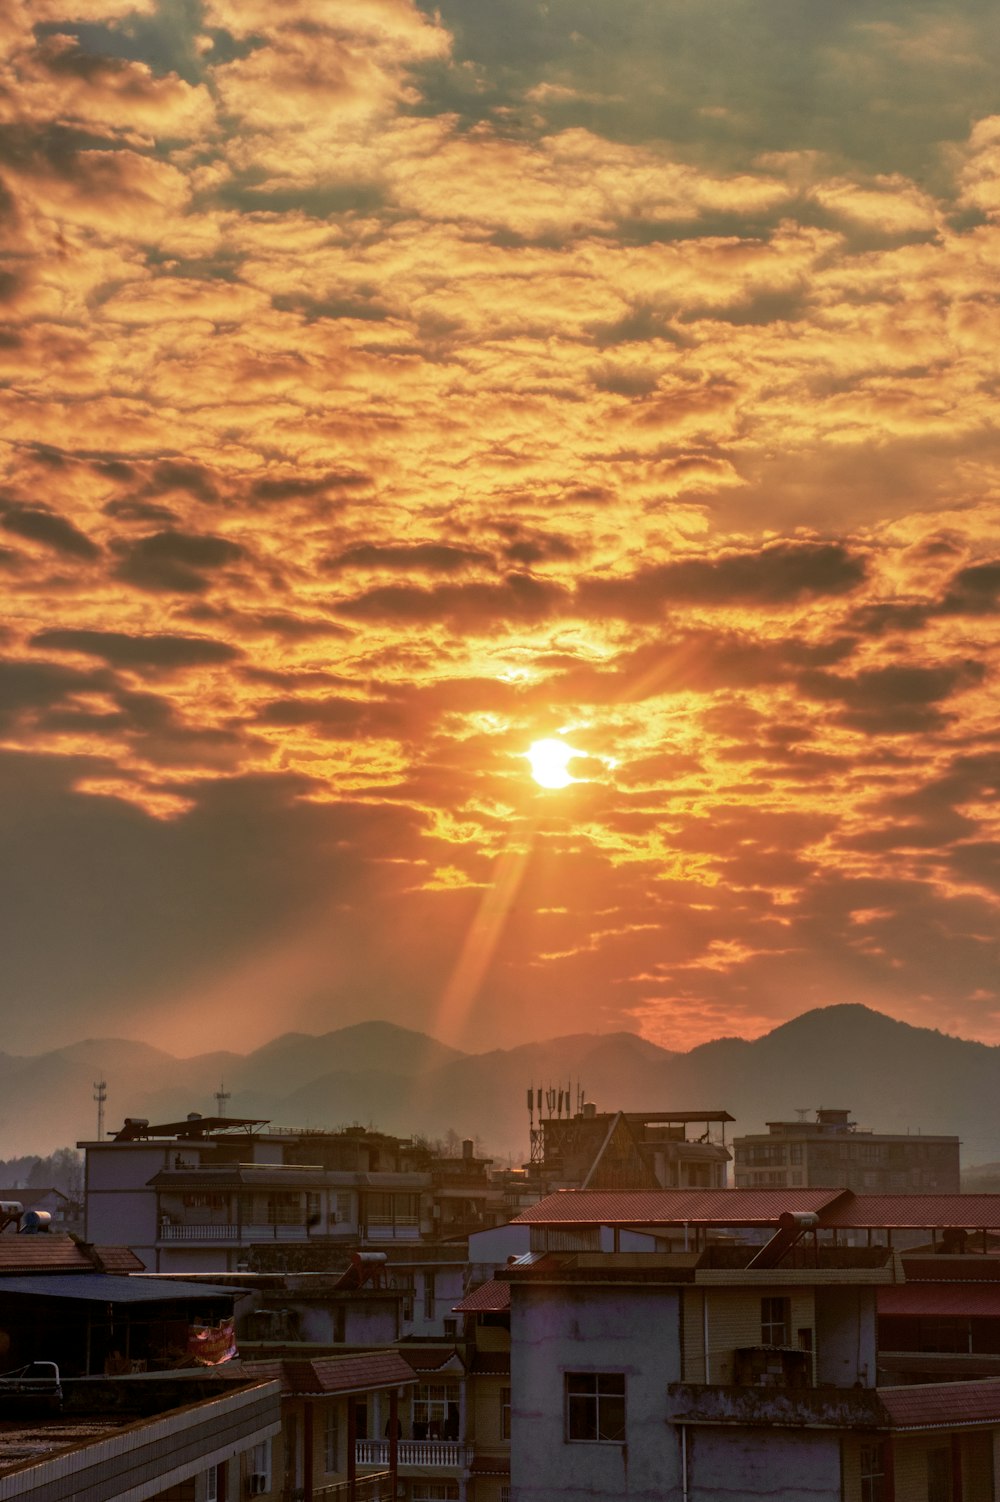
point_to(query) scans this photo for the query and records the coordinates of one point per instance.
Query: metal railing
(376, 1487)
(447, 1454)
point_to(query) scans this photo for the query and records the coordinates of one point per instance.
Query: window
(428, 1295)
(795, 1153)
(435, 1491)
(312, 1209)
(284, 1209)
(435, 1411)
(595, 1407)
(260, 1463)
(504, 1493)
(505, 1413)
(330, 1435)
(209, 1488)
(939, 1476)
(775, 1320)
(872, 1474)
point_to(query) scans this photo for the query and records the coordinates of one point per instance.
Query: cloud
(178, 562)
(51, 530)
(155, 651)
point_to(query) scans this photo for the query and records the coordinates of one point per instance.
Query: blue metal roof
(107, 1288)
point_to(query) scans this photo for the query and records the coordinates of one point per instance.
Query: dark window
(939, 1476)
(872, 1474)
(595, 1406)
(775, 1320)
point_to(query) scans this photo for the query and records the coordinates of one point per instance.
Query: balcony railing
(234, 1233)
(442, 1454)
(376, 1487)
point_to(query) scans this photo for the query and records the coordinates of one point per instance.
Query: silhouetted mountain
(892, 1076)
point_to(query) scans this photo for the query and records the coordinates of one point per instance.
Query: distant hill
(892, 1076)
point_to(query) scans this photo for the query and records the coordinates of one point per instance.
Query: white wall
(846, 1334)
(559, 1330)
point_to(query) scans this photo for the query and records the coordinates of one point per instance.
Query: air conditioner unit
(257, 1483)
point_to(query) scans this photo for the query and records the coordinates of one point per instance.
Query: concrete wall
(744, 1465)
(846, 1331)
(559, 1330)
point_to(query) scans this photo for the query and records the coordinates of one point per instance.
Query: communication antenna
(535, 1132)
(100, 1095)
(221, 1097)
(802, 1112)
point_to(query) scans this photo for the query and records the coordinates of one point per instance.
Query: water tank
(34, 1221)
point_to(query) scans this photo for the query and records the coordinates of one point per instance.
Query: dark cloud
(40, 525)
(154, 651)
(974, 591)
(174, 562)
(129, 510)
(300, 487)
(430, 557)
(178, 474)
(334, 718)
(520, 597)
(37, 686)
(784, 573)
(895, 699)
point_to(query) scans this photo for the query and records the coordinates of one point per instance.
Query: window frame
(598, 1399)
(775, 1320)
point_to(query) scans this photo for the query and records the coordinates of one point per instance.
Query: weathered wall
(744, 1465)
(845, 1335)
(559, 1330)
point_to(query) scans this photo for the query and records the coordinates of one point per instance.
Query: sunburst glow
(549, 760)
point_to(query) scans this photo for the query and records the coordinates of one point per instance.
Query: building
(214, 1194)
(738, 1368)
(177, 1439)
(833, 1150)
(594, 1149)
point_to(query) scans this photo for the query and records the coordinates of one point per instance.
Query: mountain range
(892, 1076)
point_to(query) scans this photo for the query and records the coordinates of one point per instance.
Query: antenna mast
(100, 1095)
(221, 1097)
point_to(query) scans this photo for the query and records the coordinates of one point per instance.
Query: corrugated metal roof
(978, 1267)
(963, 1300)
(673, 1207)
(919, 1211)
(107, 1288)
(941, 1405)
(489, 1298)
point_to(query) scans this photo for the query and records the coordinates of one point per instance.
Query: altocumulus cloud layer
(386, 387)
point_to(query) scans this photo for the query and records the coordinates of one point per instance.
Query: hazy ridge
(893, 1076)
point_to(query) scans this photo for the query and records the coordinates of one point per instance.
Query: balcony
(427, 1454)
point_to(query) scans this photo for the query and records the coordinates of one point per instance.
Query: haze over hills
(891, 1075)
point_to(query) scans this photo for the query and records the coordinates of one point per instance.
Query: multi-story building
(833, 1150)
(729, 1371)
(215, 1194)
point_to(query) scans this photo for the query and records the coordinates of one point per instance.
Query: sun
(549, 760)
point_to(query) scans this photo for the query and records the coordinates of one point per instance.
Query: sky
(385, 388)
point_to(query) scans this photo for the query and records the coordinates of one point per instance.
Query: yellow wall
(734, 1321)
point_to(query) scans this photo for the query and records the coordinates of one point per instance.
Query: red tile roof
(674, 1207)
(328, 1375)
(920, 1211)
(942, 1405)
(116, 1259)
(490, 1465)
(963, 1300)
(429, 1359)
(488, 1298)
(46, 1253)
(50, 1252)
